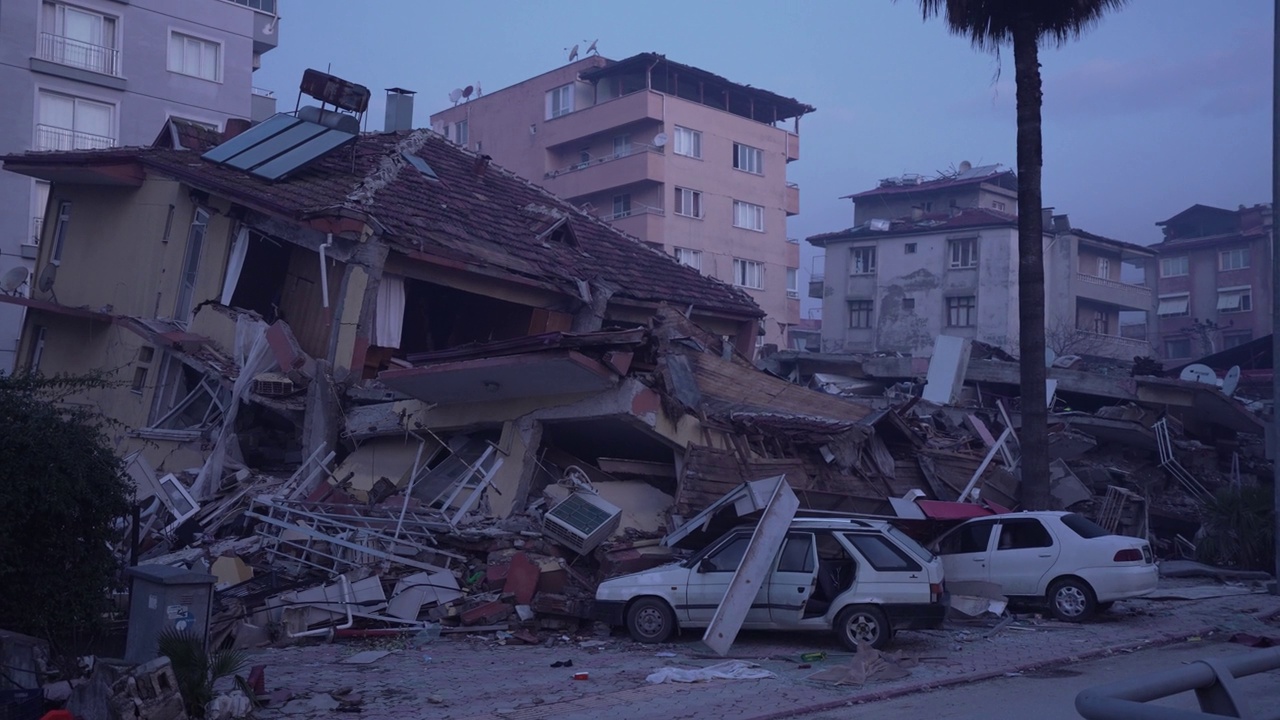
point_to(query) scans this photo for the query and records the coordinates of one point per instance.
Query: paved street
(465, 677)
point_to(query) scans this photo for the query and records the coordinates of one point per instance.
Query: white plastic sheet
(728, 670)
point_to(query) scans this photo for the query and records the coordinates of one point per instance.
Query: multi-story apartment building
(104, 73)
(940, 257)
(678, 157)
(1213, 280)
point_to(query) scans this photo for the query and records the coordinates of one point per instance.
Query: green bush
(197, 670)
(1238, 529)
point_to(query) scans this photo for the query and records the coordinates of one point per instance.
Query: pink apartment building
(691, 163)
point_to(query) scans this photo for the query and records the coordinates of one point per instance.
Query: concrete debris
(867, 665)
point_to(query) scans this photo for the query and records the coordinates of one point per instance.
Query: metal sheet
(753, 572)
(313, 149)
(269, 148)
(247, 139)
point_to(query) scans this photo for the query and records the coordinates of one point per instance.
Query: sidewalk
(473, 677)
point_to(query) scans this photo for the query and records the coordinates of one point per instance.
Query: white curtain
(239, 248)
(388, 319)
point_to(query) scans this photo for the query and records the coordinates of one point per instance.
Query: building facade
(684, 160)
(106, 73)
(1213, 280)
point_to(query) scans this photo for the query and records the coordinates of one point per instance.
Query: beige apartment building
(684, 160)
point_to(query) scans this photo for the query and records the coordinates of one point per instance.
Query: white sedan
(1060, 557)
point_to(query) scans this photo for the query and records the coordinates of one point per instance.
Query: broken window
(191, 265)
(260, 280)
(141, 367)
(185, 399)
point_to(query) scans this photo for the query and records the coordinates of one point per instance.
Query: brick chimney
(234, 127)
(399, 117)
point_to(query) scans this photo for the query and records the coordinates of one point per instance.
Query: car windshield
(909, 543)
(1083, 526)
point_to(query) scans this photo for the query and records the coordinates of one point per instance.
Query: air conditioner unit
(581, 521)
(272, 384)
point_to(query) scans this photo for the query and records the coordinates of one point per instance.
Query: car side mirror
(704, 565)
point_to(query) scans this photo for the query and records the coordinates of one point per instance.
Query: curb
(876, 696)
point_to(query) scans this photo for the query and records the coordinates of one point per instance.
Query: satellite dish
(965, 166)
(660, 139)
(1231, 381)
(592, 48)
(455, 95)
(466, 92)
(14, 279)
(1196, 372)
(270, 27)
(573, 53)
(47, 276)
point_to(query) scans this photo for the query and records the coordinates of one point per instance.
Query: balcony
(1111, 346)
(1123, 295)
(793, 146)
(77, 54)
(49, 137)
(262, 104)
(641, 221)
(638, 164)
(791, 199)
(37, 229)
(601, 118)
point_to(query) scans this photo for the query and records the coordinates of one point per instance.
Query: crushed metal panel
(752, 572)
(745, 499)
(947, 368)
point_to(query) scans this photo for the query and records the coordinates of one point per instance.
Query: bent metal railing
(1213, 680)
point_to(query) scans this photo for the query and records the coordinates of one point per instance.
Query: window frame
(1184, 264)
(688, 137)
(694, 198)
(1186, 311)
(868, 266)
(623, 201)
(1246, 299)
(181, 69)
(462, 132)
(793, 283)
(562, 96)
(748, 159)
(958, 305)
(956, 251)
(190, 275)
(1241, 253)
(861, 541)
(681, 254)
(77, 128)
(742, 273)
(59, 238)
(756, 215)
(1170, 341)
(861, 317)
(109, 27)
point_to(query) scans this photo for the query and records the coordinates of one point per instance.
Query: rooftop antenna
(455, 95)
(591, 49)
(479, 92)
(573, 52)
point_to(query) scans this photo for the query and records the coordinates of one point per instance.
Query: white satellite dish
(14, 279)
(573, 53)
(455, 95)
(592, 48)
(1231, 381)
(47, 276)
(965, 166)
(660, 140)
(1196, 372)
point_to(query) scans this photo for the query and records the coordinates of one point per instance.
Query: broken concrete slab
(1065, 487)
(947, 367)
(412, 592)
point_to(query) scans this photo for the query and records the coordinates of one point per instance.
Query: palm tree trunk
(1034, 435)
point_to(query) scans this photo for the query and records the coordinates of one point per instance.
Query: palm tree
(990, 24)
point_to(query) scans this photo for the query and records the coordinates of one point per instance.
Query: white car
(862, 578)
(1060, 557)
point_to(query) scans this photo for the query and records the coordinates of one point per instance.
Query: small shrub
(1238, 529)
(196, 669)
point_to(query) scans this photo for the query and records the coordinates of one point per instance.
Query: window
(748, 273)
(140, 369)
(961, 311)
(1023, 535)
(79, 38)
(621, 205)
(748, 158)
(908, 303)
(909, 249)
(39, 203)
(1101, 323)
(1237, 259)
(860, 313)
(1235, 339)
(584, 157)
(1173, 266)
(64, 122)
(1235, 299)
(688, 142)
(692, 258)
(727, 557)
(1174, 305)
(797, 554)
(964, 252)
(997, 205)
(622, 146)
(191, 264)
(746, 215)
(195, 57)
(968, 538)
(793, 283)
(185, 399)
(462, 133)
(882, 554)
(688, 202)
(1083, 526)
(37, 347)
(862, 261)
(1177, 348)
(560, 101)
(1104, 268)
(60, 231)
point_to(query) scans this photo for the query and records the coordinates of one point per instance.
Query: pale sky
(1163, 105)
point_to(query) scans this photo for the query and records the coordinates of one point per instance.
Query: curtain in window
(235, 263)
(388, 317)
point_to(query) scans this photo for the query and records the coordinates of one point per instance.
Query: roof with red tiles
(966, 218)
(476, 215)
(975, 176)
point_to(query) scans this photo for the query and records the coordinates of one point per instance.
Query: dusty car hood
(671, 574)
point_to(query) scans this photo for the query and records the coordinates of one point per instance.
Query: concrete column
(508, 492)
(353, 312)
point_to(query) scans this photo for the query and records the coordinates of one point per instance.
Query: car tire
(864, 623)
(650, 620)
(1071, 600)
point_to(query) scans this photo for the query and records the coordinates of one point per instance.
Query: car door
(710, 578)
(793, 579)
(1024, 552)
(887, 574)
(966, 551)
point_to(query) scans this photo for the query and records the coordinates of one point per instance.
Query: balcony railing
(79, 54)
(1115, 346)
(262, 6)
(635, 210)
(49, 137)
(262, 92)
(1128, 295)
(37, 227)
(634, 149)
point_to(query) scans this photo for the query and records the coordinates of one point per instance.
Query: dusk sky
(1163, 105)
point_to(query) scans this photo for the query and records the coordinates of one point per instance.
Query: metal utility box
(164, 597)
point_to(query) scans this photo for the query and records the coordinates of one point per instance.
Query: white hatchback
(1063, 558)
(862, 578)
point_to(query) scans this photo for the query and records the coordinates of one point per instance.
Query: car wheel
(1071, 600)
(650, 620)
(863, 623)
